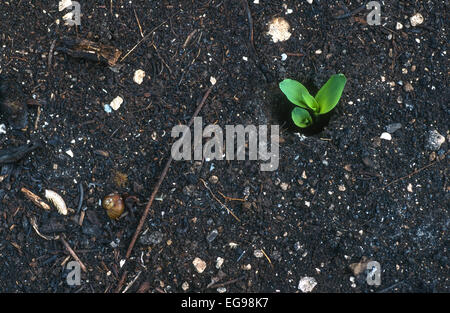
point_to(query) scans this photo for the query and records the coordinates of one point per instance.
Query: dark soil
(349, 193)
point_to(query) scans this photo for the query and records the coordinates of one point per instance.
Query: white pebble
(245, 59)
(213, 80)
(258, 253)
(2, 129)
(386, 136)
(199, 265)
(138, 77)
(307, 284)
(309, 1)
(116, 103)
(69, 153)
(219, 262)
(416, 19)
(398, 26)
(284, 57)
(318, 51)
(409, 187)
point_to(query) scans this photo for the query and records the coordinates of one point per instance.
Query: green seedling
(325, 100)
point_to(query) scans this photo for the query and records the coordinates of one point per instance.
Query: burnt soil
(339, 194)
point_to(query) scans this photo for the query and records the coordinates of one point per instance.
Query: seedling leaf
(301, 117)
(330, 93)
(298, 94)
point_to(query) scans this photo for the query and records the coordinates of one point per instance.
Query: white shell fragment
(307, 284)
(57, 201)
(279, 29)
(138, 77)
(416, 19)
(116, 103)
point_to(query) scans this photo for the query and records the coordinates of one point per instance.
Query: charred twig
(73, 254)
(121, 282)
(85, 49)
(250, 24)
(80, 201)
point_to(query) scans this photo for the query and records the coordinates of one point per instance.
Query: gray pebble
(434, 140)
(212, 235)
(392, 128)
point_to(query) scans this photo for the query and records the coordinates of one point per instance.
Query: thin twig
(155, 191)
(50, 55)
(229, 198)
(73, 254)
(409, 175)
(146, 36)
(223, 205)
(227, 282)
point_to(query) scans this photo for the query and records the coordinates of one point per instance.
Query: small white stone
(398, 26)
(116, 103)
(185, 286)
(245, 59)
(221, 290)
(256, 1)
(122, 263)
(2, 129)
(341, 188)
(318, 51)
(213, 80)
(199, 265)
(247, 267)
(409, 187)
(386, 136)
(284, 186)
(69, 153)
(416, 19)
(307, 284)
(284, 57)
(309, 1)
(138, 77)
(258, 253)
(219, 262)
(307, 203)
(289, 11)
